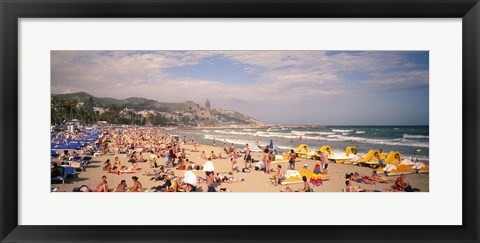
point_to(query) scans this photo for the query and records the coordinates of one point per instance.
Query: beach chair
(86, 159)
(69, 171)
(54, 153)
(76, 158)
(57, 179)
(77, 165)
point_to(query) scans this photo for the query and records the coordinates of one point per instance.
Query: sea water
(411, 141)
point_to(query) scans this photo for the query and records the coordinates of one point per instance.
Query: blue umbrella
(271, 143)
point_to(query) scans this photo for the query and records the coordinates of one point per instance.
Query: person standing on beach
(324, 159)
(291, 159)
(209, 170)
(248, 157)
(170, 157)
(234, 162)
(381, 158)
(268, 161)
(214, 142)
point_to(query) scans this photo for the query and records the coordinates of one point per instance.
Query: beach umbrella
(273, 147)
(316, 179)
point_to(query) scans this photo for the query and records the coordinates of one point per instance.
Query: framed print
(259, 99)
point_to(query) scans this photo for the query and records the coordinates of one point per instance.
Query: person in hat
(304, 170)
(137, 186)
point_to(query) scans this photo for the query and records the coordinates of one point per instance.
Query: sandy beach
(255, 181)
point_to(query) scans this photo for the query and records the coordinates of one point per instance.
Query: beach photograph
(239, 121)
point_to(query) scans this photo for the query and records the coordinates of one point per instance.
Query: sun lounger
(57, 179)
(53, 154)
(69, 171)
(86, 159)
(77, 165)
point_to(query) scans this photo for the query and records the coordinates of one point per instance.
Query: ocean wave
(394, 142)
(415, 136)
(276, 129)
(309, 132)
(234, 132)
(252, 137)
(340, 130)
(398, 143)
(360, 132)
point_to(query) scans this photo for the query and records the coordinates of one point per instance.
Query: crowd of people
(171, 165)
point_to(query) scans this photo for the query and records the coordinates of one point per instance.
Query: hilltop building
(204, 115)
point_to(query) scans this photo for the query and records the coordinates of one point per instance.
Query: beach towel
(128, 171)
(292, 173)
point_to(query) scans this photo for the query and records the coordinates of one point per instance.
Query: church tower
(207, 105)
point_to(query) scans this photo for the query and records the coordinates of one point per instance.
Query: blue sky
(287, 87)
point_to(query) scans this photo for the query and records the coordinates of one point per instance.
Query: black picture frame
(12, 10)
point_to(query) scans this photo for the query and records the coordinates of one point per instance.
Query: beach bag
(246, 170)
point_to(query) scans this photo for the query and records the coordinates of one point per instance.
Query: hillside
(135, 103)
(235, 116)
(138, 104)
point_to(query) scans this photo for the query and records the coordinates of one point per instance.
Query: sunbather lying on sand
(170, 185)
(361, 179)
(349, 188)
(376, 177)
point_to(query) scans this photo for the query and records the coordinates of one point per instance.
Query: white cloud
(283, 79)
